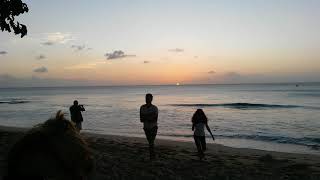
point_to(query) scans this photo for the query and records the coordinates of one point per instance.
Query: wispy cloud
(41, 70)
(85, 65)
(48, 43)
(7, 80)
(4, 77)
(3, 52)
(211, 72)
(40, 57)
(176, 50)
(78, 47)
(146, 62)
(233, 75)
(117, 55)
(57, 38)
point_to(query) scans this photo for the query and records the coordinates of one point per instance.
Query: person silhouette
(76, 116)
(199, 120)
(149, 118)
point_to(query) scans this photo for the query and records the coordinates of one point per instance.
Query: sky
(138, 42)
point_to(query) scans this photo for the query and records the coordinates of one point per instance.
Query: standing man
(76, 116)
(149, 118)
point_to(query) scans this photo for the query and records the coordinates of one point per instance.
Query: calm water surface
(280, 117)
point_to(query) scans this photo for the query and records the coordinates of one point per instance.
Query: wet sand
(119, 157)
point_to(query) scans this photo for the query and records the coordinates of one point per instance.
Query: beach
(119, 157)
(217, 90)
(276, 117)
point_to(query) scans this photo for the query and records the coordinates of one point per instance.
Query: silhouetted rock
(266, 158)
(53, 149)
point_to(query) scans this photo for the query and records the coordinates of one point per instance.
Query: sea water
(278, 117)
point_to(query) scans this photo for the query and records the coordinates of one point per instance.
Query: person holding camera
(76, 116)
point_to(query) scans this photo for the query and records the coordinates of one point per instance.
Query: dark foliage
(8, 10)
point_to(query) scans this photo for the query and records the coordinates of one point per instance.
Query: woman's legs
(203, 143)
(198, 141)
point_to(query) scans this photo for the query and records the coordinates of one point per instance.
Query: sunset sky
(133, 42)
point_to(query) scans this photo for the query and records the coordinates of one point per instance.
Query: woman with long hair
(199, 121)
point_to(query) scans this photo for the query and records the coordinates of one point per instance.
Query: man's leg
(148, 136)
(151, 135)
(79, 126)
(147, 133)
(154, 131)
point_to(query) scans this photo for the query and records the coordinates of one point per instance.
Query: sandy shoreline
(118, 157)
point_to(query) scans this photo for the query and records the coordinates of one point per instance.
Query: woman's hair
(199, 117)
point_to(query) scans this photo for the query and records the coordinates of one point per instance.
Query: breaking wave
(14, 102)
(311, 142)
(239, 105)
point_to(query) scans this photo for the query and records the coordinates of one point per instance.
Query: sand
(118, 157)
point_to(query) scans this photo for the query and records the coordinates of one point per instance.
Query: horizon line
(139, 85)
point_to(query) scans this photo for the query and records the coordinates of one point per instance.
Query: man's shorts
(151, 134)
(79, 125)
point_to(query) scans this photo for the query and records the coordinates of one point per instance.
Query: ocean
(277, 117)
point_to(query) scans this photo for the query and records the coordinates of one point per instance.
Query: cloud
(176, 50)
(211, 72)
(78, 47)
(117, 55)
(41, 70)
(6, 77)
(233, 75)
(3, 52)
(41, 56)
(7, 80)
(57, 38)
(236, 78)
(48, 43)
(85, 65)
(146, 62)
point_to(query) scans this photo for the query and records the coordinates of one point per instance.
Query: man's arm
(82, 108)
(71, 113)
(154, 115)
(141, 115)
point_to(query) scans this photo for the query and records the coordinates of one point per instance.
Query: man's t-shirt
(75, 112)
(149, 116)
